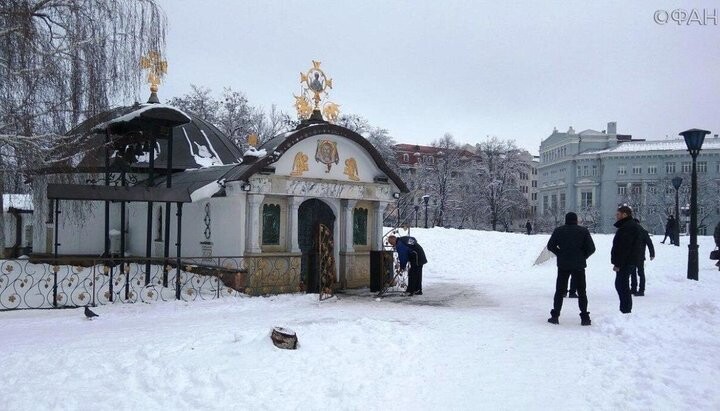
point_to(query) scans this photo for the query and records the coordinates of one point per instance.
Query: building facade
(591, 172)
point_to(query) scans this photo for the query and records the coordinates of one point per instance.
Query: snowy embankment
(477, 339)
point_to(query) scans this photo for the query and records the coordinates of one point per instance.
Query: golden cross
(156, 68)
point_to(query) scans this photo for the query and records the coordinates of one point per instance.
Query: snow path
(477, 339)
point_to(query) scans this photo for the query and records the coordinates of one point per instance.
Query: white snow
(19, 201)
(253, 152)
(205, 191)
(136, 113)
(478, 339)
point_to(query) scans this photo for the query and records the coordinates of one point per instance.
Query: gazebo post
(148, 234)
(55, 251)
(168, 181)
(106, 252)
(122, 239)
(178, 244)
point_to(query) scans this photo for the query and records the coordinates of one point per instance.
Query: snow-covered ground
(477, 339)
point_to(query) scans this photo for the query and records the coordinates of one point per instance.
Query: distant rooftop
(656, 145)
(19, 201)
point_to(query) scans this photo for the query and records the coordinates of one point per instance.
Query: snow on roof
(253, 152)
(205, 192)
(19, 201)
(655, 145)
(136, 113)
(591, 132)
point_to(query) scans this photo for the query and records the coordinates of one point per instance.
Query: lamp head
(676, 182)
(694, 139)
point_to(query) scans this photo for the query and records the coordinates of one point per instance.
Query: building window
(686, 167)
(594, 171)
(651, 189)
(578, 171)
(702, 167)
(622, 190)
(586, 199)
(670, 168)
(360, 220)
(406, 158)
(534, 183)
(652, 169)
(534, 196)
(637, 170)
(562, 202)
(271, 224)
(553, 201)
(718, 168)
(586, 171)
(636, 189)
(622, 170)
(546, 205)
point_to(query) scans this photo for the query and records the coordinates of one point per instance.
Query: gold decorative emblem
(314, 86)
(300, 164)
(156, 67)
(252, 140)
(351, 169)
(327, 153)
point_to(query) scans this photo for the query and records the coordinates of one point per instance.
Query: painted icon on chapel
(300, 164)
(351, 169)
(327, 153)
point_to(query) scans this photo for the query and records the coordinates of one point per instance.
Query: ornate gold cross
(156, 68)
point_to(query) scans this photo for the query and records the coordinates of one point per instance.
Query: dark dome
(196, 144)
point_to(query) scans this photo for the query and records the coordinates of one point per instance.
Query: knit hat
(626, 209)
(571, 218)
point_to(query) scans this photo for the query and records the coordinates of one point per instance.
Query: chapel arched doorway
(316, 222)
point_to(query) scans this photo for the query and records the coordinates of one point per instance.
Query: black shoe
(625, 312)
(572, 295)
(554, 317)
(585, 319)
(639, 294)
(633, 292)
(419, 292)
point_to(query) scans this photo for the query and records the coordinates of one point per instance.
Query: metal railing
(75, 282)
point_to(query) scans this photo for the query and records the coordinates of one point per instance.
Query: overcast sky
(512, 69)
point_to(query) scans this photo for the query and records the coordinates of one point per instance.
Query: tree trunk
(284, 338)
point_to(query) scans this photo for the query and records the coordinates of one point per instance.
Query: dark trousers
(634, 278)
(669, 233)
(561, 284)
(573, 286)
(622, 285)
(414, 279)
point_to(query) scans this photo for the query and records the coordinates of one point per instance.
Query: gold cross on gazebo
(156, 68)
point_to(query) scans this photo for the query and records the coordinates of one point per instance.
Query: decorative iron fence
(65, 283)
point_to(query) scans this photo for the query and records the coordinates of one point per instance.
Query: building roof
(655, 145)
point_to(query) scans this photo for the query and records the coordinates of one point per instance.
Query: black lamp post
(426, 199)
(417, 207)
(694, 139)
(676, 182)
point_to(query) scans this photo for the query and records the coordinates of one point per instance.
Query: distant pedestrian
(528, 227)
(572, 245)
(625, 254)
(716, 236)
(669, 230)
(409, 251)
(647, 243)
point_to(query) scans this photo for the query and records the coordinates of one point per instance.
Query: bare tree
(500, 191)
(62, 61)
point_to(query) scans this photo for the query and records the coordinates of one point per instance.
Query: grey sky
(513, 69)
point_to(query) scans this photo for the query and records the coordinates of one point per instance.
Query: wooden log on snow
(284, 338)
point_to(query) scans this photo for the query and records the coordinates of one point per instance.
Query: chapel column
(292, 224)
(347, 207)
(379, 209)
(253, 226)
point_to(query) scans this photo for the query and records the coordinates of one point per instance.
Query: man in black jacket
(647, 242)
(572, 245)
(716, 236)
(669, 230)
(625, 254)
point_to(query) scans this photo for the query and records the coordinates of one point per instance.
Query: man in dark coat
(647, 243)
(627, 246)
(716, 236)
(572, 245)
(528, 227)
(669, 230)
(409, 251)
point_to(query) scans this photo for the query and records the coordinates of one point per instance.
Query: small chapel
(303, 211)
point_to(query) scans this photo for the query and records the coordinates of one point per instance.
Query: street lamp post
(694, 139)
(426, 199)
(417, 207)
(676, 182)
